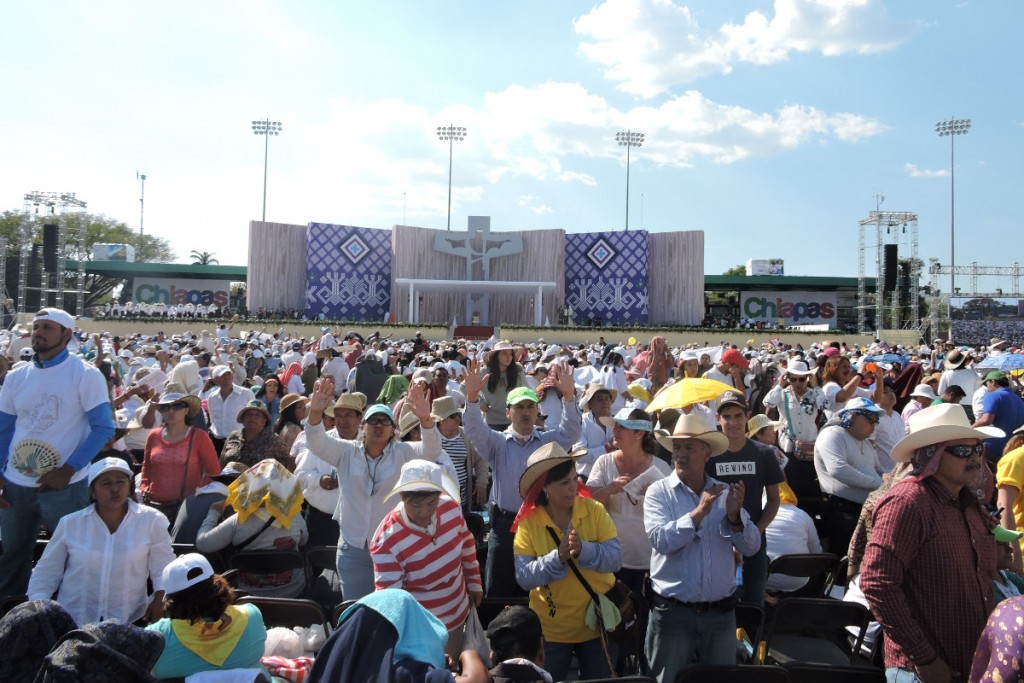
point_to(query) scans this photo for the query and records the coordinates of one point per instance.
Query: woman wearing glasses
(178, 458)
(798, 402)
(619, 481)
(848, 468)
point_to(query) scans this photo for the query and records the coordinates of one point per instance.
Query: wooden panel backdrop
(277, 266)
(676, 278)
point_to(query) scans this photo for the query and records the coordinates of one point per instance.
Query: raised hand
(417, 402)
(323, 394)
(474, 380)
(565, 383)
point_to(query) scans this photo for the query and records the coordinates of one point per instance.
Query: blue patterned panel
(606, 277)
(348, 272)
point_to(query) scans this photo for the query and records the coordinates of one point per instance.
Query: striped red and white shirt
(438, 571)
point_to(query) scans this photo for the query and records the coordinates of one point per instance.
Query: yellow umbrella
(688, 391)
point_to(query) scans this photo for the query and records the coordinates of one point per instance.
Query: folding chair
(339, 610)
(288, 612)
(839, 578)
(813, 673)
(269, 562)
(733, 673)
(814, 630)
(322, 575)
(816, 567)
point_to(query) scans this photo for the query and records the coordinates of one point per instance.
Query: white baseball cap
(186, 571)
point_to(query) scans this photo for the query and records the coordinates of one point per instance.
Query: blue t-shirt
(1008, 412)
(177, 661)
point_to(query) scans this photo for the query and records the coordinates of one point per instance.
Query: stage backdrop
(606, 277)
(348, 272)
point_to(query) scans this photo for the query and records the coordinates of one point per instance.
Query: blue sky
(770, 125)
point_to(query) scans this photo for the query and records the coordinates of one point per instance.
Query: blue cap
(859, 403)
(379, 409)
(622, 418)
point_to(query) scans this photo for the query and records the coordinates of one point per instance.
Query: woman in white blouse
(99, 558)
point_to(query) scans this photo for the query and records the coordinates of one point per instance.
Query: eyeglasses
(873, 419)
(172, 406)
(379, 422)
(963, 452)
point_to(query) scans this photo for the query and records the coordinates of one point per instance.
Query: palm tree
(203, 258)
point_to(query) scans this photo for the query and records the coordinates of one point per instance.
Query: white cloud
(532, 202)
(649, 46)
(914, 172)
(574, 176)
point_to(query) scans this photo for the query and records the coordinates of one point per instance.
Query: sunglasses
(173, 406)
(797, 379)
(964, 452)
(379, 422)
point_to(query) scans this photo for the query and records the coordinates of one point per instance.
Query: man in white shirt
(318, 478)
(54, 417)
(224, 402)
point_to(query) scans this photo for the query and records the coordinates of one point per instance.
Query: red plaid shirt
(927, 574)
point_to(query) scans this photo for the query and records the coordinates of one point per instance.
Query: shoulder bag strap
(188, 456)
(572, 565)
(789, 418)
(246, 542)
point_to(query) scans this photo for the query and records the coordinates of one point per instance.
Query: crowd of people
(632, 495)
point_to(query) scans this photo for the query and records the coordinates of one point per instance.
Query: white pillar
(412, 295)
(537, 305)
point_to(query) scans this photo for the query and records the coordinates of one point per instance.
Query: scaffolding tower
(58, 205)
(973, 271)
(895, 224)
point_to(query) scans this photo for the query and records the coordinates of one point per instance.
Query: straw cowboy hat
(169, 397)
(406, 423)
(443, 407)
(592, 390)
(693, 427)
(501, 346)
(543, 459)
(759, 422)
(423, 475)
(955, 359)
(291, 399)
(257, 405)
(798, 367)
(353, 401)
(937, 424)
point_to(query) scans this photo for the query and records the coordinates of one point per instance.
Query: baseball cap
(732, 398)
(25, 353)
(220, 371)
(62, 318)
(512, 624)
(186, 571)
(995, 374)
(734, 357)
(108, 465)
(379, 409)
(520, 394)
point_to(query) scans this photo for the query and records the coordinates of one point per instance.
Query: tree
(202, 258)
(100, 229)
(736, 270)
